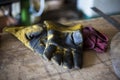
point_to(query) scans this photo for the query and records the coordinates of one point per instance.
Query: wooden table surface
(19, 63)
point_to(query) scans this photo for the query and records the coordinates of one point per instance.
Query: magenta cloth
(94, 40)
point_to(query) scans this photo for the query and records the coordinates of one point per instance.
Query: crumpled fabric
(94, 40)
(55, 42)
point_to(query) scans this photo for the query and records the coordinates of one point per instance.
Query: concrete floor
(19, 63)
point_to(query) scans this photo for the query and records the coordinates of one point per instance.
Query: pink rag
(95, 40)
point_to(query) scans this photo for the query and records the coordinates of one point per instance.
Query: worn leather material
(55, 41)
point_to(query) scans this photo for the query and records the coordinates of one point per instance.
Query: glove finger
(37, 41)
(77, 58)
(49, 51)
(68, 59)
(58, 58)
(37, 45)
(77, 37)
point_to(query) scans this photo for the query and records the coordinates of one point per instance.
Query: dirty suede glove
(60, 43)
(64, 45)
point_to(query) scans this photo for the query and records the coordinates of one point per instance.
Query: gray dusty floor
(19, 63)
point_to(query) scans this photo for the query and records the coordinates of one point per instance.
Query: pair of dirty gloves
(60, 43)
